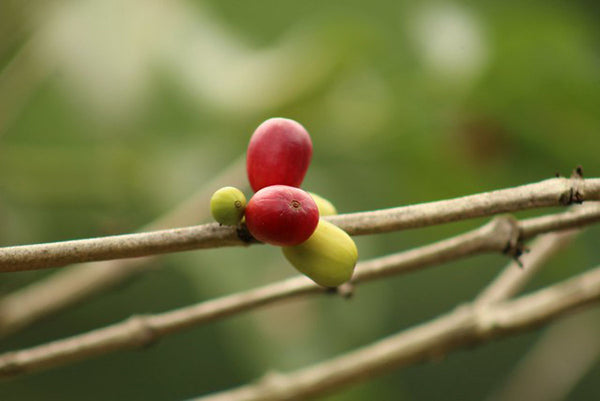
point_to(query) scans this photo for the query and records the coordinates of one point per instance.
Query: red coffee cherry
(281, 215)
(279, 153)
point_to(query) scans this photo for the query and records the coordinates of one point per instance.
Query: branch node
(506, 228)
(576, 193)
(143, 334)
(514, 248)
(244, 235)
(515, 252)
(346, 290)
(578, 172)
(566, 198)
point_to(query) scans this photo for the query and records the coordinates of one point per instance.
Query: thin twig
(553, 192)
(464, 326)
(57, 254)
(142, 330)
(71, 285)
(517, 273)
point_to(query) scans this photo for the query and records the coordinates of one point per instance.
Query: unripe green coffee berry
(227, 206)
(325, 207)
(328, 257)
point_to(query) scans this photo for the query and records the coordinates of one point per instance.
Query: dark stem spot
(237, 204)
(295, 204)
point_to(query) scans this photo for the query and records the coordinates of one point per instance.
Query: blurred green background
(112, 112)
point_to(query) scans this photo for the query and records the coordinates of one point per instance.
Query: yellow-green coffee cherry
(227, 206)
(328, 257)
(325, 207)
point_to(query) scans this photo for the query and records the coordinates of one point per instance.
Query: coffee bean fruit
(279, 153)
(227, 206)
(281, 215)
(328, 257)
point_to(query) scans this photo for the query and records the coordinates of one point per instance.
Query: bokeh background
(114, 111)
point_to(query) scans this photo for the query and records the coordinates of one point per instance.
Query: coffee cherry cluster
(282, 214)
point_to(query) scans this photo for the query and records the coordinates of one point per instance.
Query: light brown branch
(517, 273)
(553, 192)
(71, 285)
(495, 236)
(464, 326)
(586, 214)
(40, 256)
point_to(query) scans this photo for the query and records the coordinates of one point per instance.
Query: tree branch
(553, 192)
(71, 285)
(138, 331)
(514, 277)
(464, 326)
(57, 254)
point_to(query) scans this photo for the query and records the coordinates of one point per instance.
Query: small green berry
(227, 206)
